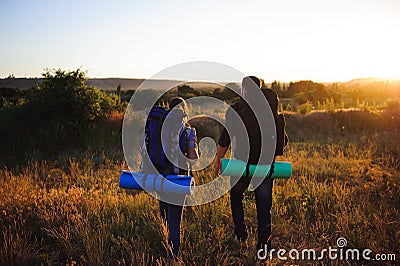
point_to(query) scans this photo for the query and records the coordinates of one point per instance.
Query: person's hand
(218, 166)
(218, 162)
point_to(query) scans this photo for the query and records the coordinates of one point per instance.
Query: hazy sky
(287, 40)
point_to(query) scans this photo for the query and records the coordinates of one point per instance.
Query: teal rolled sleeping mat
(233, 167)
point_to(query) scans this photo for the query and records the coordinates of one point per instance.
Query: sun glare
(390, 73)
(394, 77)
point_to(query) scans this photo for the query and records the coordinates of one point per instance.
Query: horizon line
(171, 79)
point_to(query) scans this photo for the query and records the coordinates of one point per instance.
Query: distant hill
(108, 83)
(363, 82)
(112, 83)
(367, 81)
(133, 84)
(20, 83)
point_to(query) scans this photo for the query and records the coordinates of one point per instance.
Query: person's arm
(221, 151)
(223, 144)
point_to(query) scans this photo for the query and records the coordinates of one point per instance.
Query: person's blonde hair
(176, 101)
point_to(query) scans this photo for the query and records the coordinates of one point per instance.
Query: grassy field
(345, 183)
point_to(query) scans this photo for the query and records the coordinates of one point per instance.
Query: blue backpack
(175, 134)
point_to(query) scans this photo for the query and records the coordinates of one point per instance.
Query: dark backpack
(280, 122)
(152, 146)
(253, 133)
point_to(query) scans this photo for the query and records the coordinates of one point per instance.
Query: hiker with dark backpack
(167, 134)
(263, 193)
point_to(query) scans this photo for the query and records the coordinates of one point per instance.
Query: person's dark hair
(249, 83)
(249, 80)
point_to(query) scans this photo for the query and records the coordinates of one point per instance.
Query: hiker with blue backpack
(263, 193)
(170, 148)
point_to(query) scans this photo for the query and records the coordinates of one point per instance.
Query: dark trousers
(172, 214)
(263, 195)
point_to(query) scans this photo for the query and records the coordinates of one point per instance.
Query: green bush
(60, 114)
(64, 98)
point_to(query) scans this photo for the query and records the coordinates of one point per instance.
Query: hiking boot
(238, 246)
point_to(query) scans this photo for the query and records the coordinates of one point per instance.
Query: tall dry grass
(345, 183)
